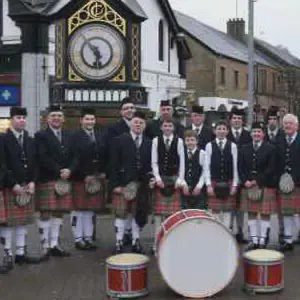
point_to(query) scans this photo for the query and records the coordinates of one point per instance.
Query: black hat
(165, 103)
(54, 108)
(258, 125)
(87, 111)
(126, 100)
(139, 114)
(198, 109)
(272, 112)
(18, 111)
(236, 111)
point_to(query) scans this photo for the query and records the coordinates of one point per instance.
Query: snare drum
(263, 271)
(197, 256)
(127, 275)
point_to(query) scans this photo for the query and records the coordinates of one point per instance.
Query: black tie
(256, 146)
(92, 136)
(137, 142)
(20, 140)
(221, 145)
(197, 131)
(272, 135)
(168, 144)
(289, 140)
(190, 154)
(237, 135)
(58, 134)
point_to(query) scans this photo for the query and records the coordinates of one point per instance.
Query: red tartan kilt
(2, 208)
(16, 215)
(85, 201)
(215, 203)
(290, 203)
(121, 206)
(48, 200)
(169, 207)
(267, 206)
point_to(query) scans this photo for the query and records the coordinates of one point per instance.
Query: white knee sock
(253, 230)
(6, 233)
(264, 226)
(135, 231)
(157, 224)
(128, 226)
(87, 225)
(55, 230)
(288, 222)
(227, 219)
(76, 225)
(44, 230)
(21, 232)
(120, 228)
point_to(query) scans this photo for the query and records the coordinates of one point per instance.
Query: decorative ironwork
(121, 77)
(73, 76)
(97, 11)
(135, 52)
(60, 48)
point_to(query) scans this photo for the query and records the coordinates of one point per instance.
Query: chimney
(236, 29)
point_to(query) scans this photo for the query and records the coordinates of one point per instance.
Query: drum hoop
(128, 294)
(210, 293)
(144, 260)
(265, 263)
(129, 267)
(265, 288)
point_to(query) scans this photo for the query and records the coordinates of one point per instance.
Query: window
(262, 81)
(274, 79)
(222, 75)
(161, 40)
(236, 79)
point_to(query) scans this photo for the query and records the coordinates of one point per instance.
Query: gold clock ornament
(96, 52)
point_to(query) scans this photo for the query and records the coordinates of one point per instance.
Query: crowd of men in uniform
(152, 167)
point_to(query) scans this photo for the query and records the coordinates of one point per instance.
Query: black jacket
(20, 162)
(206, 135)
(117, 129)
(52, 156)
(264, 165)
(245, 138)
(89, 155)
(279, 138)
(153, 129)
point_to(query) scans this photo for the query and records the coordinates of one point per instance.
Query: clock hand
(94, 48)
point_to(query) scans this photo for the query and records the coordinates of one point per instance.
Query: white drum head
(198, 258)
(263, 255)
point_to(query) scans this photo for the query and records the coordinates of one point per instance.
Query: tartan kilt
(215, 203)
(122, 207)
(2, 208)
(16, 215)
(267, 206)
(85, 201)
(290, 203)
(48, 200)
(166, 206)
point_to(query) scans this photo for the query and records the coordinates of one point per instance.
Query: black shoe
(137, 248)
(24, 259)
(119, 247)
(90, 245)
(240, 238)
(8, 262)
(251, 246)
(127, 239)
(286, 247)
(57, 251)
(81, 245)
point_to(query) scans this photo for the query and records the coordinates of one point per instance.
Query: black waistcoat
(221, 163)
(168, 161)
(193, 169)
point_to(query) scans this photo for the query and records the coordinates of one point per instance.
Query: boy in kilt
(19, 155)
(288, 171)
(194, 178)
(130, 173)
(168, 170)
(54, 195)
(89, 151)
(221, 174)
(258, 181)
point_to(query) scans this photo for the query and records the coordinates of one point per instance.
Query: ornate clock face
(96, 51)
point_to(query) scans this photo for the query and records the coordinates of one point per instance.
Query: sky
(276, 21)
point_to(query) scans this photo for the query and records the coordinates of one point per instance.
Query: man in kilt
(130, 173)
(54, 195)
(19, 155)
(89, 151)
(240, 136)
(168, 170)
(127, 111)
(288, 171)
(221, 174)
(257, 162)
(194, 177)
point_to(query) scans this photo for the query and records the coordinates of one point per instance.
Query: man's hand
(196, 191)
(210, 190)
(160, 184)
(31, 188)
(233, 191)
(117, 190)
(17, 189)
(65, 174)
(185, 190)
(248, 184)
(88, 179)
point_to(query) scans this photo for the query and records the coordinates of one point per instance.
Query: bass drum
(197, 256)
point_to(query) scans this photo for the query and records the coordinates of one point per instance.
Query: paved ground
(82, 276)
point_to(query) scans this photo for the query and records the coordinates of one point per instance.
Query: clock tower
(98, 53)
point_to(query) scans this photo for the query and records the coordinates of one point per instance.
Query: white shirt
(154, 159)
(293, 137)
(208, 150)
(194, 128)
(134, 136)
(202, 159)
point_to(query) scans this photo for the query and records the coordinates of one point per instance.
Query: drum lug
(249, 291)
